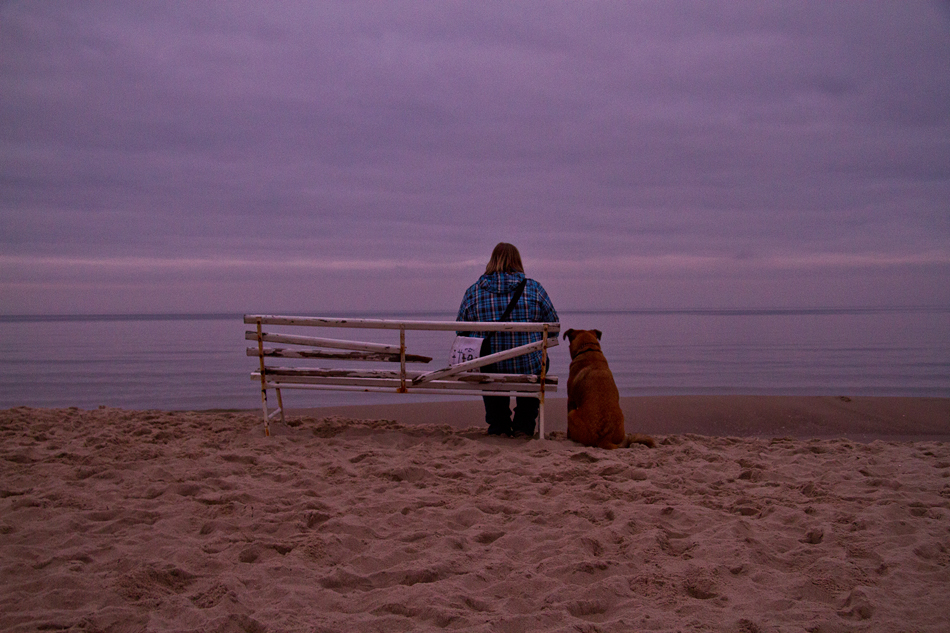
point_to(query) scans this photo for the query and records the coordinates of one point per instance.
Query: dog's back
(594, 416)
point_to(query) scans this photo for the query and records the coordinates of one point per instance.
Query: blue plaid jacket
(487, 299)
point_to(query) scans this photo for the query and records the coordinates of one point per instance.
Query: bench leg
(266, 416)
(541, 416)
(280, 405)
(270, 414)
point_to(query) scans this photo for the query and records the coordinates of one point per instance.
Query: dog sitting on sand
(594, 417)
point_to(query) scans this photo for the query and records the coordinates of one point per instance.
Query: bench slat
(389, 324)
(449, 390)
(294, 339)
(393, 384)
(478, 362)
(289, 373)
(281, 352)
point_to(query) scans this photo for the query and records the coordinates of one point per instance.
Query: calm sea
(183, 362)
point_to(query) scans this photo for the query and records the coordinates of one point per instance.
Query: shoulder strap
(519, 289)
(514, 299)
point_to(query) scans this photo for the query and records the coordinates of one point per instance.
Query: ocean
(198, 361)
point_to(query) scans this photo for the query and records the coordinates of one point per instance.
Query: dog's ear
(569, 333)
(598, 333)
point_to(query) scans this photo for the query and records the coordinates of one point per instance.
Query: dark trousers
(498, 414)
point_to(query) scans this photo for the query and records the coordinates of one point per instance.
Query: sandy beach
(752, 514)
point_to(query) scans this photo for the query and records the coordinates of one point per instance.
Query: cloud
(215, 138)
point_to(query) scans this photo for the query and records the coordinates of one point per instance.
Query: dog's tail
(638, 438)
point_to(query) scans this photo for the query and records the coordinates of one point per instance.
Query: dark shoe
(524, 429)
(498, 429)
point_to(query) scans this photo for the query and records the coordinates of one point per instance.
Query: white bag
(464, 349)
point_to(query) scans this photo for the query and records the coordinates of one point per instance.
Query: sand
(858, 418)
(114, 520)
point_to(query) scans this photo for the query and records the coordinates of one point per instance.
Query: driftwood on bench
(462, 379)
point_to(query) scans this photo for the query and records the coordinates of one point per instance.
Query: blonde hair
(504, 259)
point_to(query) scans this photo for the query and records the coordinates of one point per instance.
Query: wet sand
(748, 416)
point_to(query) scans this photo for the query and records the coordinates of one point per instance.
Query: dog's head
(583, 340)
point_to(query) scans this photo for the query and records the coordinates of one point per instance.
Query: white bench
(462, 379)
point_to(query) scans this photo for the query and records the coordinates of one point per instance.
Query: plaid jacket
(487, 299)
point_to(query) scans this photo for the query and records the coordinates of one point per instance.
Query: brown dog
(594, 417)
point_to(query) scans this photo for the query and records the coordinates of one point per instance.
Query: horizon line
(696, 311)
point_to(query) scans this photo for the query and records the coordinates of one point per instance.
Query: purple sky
(334, 157)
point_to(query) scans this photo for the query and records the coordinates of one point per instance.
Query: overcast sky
(333, 157)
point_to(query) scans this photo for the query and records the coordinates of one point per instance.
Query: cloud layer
(359, 155)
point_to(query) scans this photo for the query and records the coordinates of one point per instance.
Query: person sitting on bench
(487, 300)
